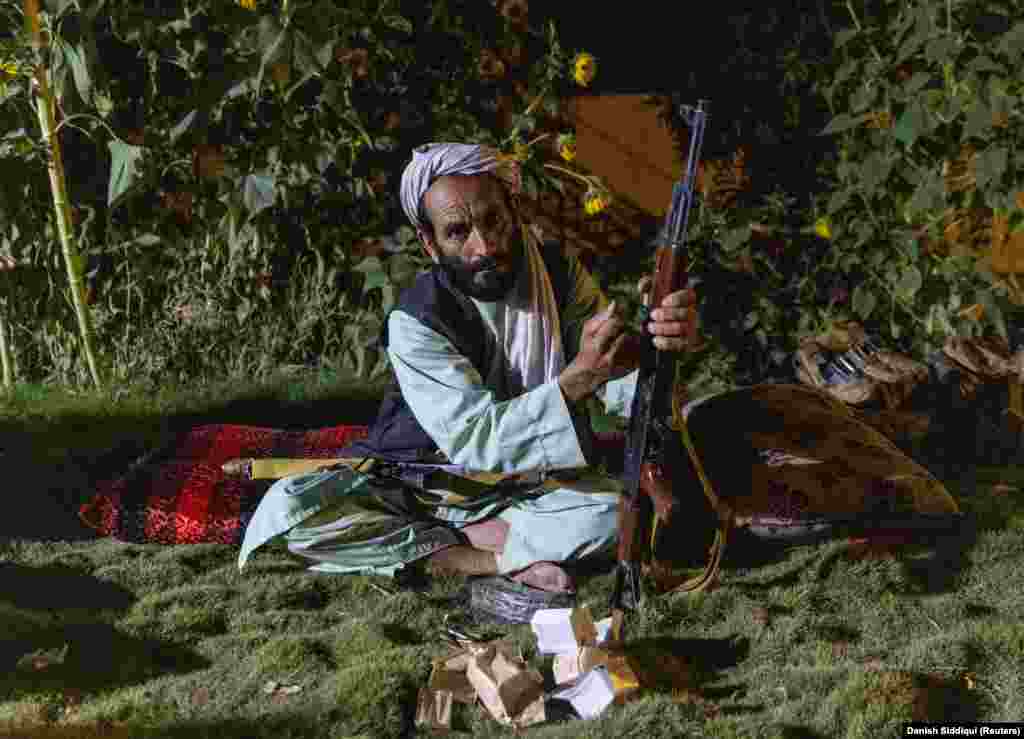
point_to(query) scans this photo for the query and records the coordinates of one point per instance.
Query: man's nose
(486, 243)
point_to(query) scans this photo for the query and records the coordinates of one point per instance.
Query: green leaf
(915, 83)
(258, 192)
(387, 292)
(991, 165)
(243, 311)
(941, 49)
(910, 282)
(735, 238)
(993, 314)
(849, 260)
(876, 168)
(843, 122)
(928, 196)
(910, 45)
(405, 235)
(838, 199)
(984, 63)
(843, 37)
(1016, 221)
(147, 240)
(57, 7)
(399, 23)
(305, 57)
(402, 270)
(1012, 42)
(125, 172)
(864, 301)
(979, 120)
(911, 124)
(75, 58)
(325, 53)
(863, 98)
(374, 271)
(182, 126)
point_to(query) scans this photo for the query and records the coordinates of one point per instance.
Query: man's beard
(482, 280)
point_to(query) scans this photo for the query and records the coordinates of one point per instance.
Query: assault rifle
(648, 463)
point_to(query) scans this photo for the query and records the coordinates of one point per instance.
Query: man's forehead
(455, 194)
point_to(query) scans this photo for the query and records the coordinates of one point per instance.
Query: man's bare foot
(545, 576)
(464, 560)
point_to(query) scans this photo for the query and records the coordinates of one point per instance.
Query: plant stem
(536, 101)
(5, 354)
(103, 123)
(569, 172)
(44, 103)
(856, 22)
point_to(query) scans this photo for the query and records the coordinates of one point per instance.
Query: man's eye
(458, 232)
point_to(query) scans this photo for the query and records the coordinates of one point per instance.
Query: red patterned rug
(179, 494)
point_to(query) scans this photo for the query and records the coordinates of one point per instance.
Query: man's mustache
(485, 263)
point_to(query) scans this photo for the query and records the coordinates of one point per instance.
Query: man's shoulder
(425, 290)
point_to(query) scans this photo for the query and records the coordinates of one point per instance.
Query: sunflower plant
(882, 187)
(235, 196)
(926, 189)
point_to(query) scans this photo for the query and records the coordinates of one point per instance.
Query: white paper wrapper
(563, 630)
(590, 694)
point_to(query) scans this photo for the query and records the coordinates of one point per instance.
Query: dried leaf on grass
(72, 700)
(42, 659)
(200, 696)
(878, 546)
(279, 692)
(761, 616)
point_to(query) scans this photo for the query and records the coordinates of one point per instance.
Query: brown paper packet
(508, 689)
(449, 674)
(434, 709)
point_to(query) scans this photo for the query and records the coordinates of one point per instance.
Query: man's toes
(546, 576)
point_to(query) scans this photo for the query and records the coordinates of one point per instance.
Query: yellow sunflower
(595, 202)
(584, 68)
(567, 146)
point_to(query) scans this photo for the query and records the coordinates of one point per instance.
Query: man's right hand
(607, 352)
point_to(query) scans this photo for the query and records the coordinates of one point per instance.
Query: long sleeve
(586, 300)
(531, 432)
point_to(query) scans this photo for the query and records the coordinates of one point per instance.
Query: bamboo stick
(45, 106)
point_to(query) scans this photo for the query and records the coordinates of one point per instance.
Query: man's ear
(427, 242)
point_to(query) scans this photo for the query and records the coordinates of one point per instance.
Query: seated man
(494, 351)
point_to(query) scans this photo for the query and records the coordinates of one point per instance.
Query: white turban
(431, 161)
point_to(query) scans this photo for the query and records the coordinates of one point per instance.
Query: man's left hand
(674, 322)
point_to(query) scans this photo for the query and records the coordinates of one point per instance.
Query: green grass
(814, 641)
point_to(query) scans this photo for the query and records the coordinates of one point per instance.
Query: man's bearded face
(476, 239)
